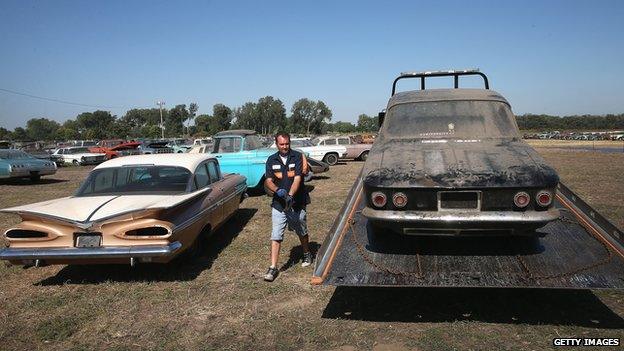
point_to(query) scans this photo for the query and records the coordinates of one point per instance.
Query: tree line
(266, 116)
(583, 122)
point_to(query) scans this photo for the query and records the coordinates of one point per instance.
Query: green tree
(246, 116)
(137, 119)
(5, 134)
(202, 124)
(221, 118)
(174, 123)
(343, 127)
(41, 128)
(309, 116)
(366, 123)
(96, 125)
(20, 134)
(193, 107)
(270, 115)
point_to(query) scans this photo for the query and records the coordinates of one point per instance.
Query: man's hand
(281, 193)
(289, 202)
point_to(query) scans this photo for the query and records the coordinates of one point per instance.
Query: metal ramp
(581, 250)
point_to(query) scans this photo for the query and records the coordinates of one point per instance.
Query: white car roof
(188, 161)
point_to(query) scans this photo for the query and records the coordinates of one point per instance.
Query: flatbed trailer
(580, 250)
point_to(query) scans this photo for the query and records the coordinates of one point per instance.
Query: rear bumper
(460, 220)
(25, 172)
(76, 253)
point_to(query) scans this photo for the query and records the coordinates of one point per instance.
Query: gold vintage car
(144, 208)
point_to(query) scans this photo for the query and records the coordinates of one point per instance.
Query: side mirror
(381, 116)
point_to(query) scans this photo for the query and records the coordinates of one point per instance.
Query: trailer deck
(580, 250)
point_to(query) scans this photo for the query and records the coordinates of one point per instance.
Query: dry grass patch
(219, 301)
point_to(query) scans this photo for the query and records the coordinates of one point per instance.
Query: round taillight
(399, 200)
(544, 198)
(522, 199)
(378, 198)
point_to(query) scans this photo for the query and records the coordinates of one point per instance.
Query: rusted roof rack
(450, 73)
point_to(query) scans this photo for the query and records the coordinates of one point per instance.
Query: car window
(213, 172)
(343, 141)
(61, 151)
(103, 181)
(330, 142)
(315, 141)
(13, 155)
(201, 177)
(252, 142)
(78, 150)
(227, 145)
(450, 120)
(140, 180)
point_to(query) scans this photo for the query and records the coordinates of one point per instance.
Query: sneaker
(271, 274)
(307, 259)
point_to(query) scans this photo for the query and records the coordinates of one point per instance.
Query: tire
(76, 163)
(364, 156)
(331, 159)
(180, 152)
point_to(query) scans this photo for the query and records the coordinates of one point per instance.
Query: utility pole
(160, 104)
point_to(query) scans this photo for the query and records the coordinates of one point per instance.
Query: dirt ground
(219, 301)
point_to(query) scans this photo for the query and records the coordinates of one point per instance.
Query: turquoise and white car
(241, 151)
(18, 164)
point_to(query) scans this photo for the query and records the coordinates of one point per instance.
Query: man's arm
(295, 186)
(269, 187)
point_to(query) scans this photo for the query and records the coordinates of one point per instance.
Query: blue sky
(554, 57)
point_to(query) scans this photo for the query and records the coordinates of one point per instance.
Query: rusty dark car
(452, 162)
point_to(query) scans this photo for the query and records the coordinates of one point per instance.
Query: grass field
(219, 301)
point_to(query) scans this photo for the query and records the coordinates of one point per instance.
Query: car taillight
(399, 200)
(521, 199)
(378, 198)
(544, 198)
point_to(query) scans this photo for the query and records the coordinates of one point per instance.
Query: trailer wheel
(331, 159)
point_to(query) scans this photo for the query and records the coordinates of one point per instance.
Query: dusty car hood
(466, 164)
(98, 208)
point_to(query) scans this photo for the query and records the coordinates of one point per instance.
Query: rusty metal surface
(569, 256)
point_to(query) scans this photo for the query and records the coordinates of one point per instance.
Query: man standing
(284, 180)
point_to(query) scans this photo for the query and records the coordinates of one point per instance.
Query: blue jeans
(296, 221)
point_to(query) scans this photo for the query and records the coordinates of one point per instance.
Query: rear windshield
(157, 180)
(450, 120)
(13, 155)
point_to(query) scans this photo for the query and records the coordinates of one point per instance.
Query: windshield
(450, 120)
(252, 142)
(300, 143)
(13, 155)
(227, 145)
(136, 180)
(78, 150)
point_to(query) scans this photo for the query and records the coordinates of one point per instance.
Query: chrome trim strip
(90, 252)
(201, 213)
(462, 216)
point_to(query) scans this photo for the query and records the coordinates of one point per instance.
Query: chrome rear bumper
(15, 254)
(451, 217)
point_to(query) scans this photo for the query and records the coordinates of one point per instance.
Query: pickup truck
(355, 150)
(241, 151)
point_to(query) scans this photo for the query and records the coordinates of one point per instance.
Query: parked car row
(612, 135)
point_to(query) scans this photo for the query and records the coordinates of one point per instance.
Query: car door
(346, 142)
(211, 203)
